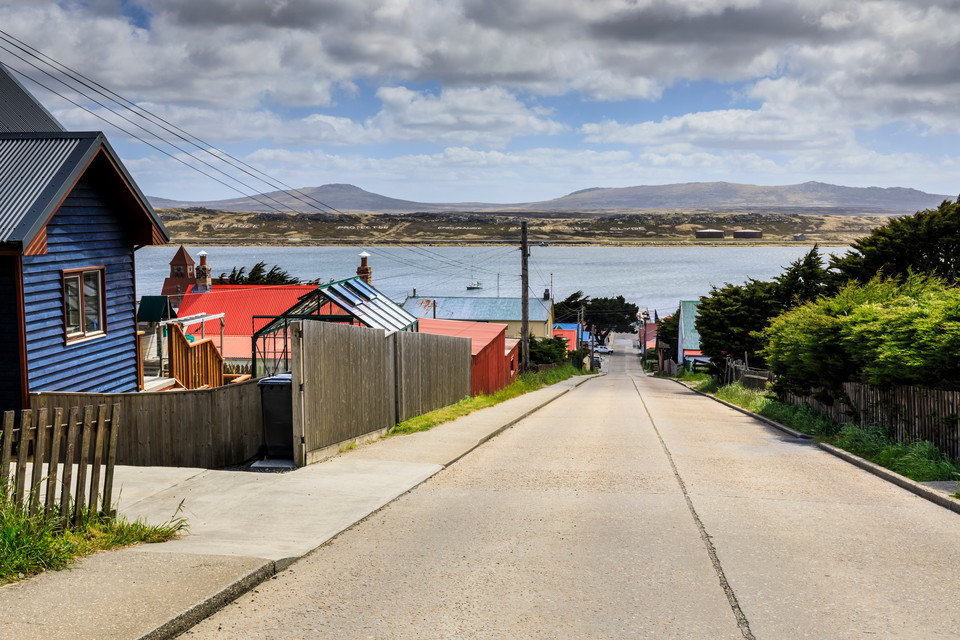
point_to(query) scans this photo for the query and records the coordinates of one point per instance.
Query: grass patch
(920, 461)
(32, 544)
(525, 383)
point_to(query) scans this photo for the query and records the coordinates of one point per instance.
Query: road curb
(912, 486)
(231, 592)
(767, 421)
(209, 606)
(890, 476)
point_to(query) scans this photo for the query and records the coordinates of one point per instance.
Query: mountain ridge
(345, 197)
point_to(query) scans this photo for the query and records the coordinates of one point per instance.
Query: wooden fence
(194, 365)
(51, 448)
(208, 428)
(352, 381)
(910, 413)
(431, 372)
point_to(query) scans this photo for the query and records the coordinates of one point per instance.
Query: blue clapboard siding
(10, 342)
(85, 232)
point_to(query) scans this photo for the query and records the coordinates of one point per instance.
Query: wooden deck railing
(195, 365)
(51, 448)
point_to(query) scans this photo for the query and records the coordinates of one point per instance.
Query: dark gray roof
(37, 170)
(19, 110)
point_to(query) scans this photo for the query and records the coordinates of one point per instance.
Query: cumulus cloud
(814, 74)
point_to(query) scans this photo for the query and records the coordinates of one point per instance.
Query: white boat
(476, 284)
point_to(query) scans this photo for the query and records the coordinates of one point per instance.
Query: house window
(84, 303)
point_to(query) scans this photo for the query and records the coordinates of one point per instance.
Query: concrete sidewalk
(244, 527)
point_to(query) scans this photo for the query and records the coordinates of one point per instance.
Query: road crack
(741, 618)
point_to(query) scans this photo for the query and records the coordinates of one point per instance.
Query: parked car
(597, 362)
(602, 349)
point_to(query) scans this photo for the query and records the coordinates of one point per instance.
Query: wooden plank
(53, 470)
(39, 455)
(82, 460)
(73, 427)
(97, 438)
(114, 429)
(6, 449)
(26, 433)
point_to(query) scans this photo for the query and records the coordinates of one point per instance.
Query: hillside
(721, 196)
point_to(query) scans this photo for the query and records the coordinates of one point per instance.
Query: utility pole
(524, 300)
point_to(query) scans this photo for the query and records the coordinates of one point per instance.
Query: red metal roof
(239, 303)
(480, 333)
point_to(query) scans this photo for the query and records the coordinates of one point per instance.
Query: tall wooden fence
(208, 428)
(51, 445)
(352, 381)
(910, 413)
(431, 372)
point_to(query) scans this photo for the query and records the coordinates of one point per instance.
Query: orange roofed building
(489, 371)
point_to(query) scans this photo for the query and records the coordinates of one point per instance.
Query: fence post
(53, 467)
(39, 440)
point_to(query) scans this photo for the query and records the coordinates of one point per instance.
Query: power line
(153, 119)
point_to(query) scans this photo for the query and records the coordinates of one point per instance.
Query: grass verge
(32, 544)
(920, 460)
(525, 383)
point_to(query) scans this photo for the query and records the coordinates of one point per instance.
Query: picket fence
(50, 448)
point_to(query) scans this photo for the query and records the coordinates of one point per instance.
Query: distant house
(71, 217)
(688, 343)
(573, 332)
(747, 233)
(490, 366)
(508, 311)
(709, 233)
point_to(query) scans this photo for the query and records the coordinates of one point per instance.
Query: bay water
(656, 278)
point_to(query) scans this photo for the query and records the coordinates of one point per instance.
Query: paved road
(629, 508)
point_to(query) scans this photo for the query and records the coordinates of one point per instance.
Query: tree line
(886, 313)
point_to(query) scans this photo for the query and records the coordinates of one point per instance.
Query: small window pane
(71, 286)
(92, 319)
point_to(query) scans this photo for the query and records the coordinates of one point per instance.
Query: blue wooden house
(70, 219)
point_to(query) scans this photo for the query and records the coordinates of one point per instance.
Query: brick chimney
(364, 271)
(204, 281)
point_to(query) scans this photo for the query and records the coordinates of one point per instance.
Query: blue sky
(519, 100)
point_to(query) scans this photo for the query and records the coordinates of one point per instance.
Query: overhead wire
(154, 119)
(136, 137)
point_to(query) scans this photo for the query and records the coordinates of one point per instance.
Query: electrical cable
(153, 118)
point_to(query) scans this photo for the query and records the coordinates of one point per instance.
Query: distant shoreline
(357, 242)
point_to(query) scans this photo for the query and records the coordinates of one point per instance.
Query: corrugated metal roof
(20, 112)
(31, 170)
(239, 303)
(37, 170)
(480, 333)
(495, 309)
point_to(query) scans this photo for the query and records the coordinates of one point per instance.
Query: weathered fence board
(208, 428)
(910, 413)
(47, 447)
(351, 381)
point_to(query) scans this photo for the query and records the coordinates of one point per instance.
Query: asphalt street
(631, 507)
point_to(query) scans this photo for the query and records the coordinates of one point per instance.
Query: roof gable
(38, 170)
(19, 110)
